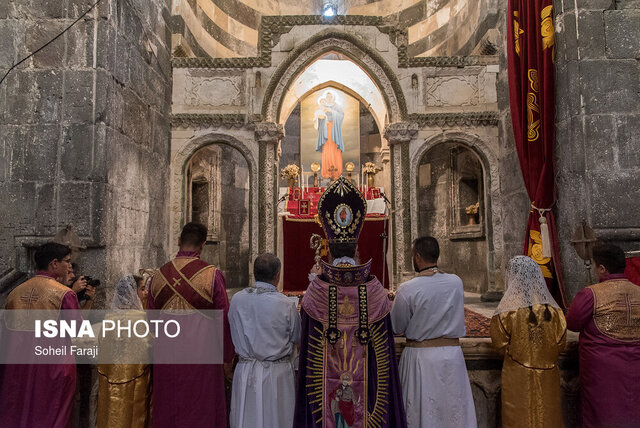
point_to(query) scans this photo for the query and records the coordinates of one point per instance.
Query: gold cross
(176, 282)
(31, 298)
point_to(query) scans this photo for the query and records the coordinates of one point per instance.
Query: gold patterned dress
(124, 390)
(530, 375)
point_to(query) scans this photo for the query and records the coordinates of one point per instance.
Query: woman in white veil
(124, 390)
(126, 295)
(529, 328)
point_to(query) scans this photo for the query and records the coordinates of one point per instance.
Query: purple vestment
(347, 382)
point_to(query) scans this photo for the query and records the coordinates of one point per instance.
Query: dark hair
(193, 234)
(266, 267)
(137, 279)
(342, 249)
(427, 247)
(610, 256)
(49, 252)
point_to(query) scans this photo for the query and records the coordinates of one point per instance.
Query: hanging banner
(531, 52)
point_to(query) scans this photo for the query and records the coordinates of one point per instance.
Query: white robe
(265, 327)
(435, 383)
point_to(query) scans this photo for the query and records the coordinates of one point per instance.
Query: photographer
(83, 286)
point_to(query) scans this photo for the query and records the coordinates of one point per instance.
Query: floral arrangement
(473, 209)
(290, 171)
(370, 168)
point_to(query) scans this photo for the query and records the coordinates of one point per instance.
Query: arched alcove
(451, 208)
(217, 186)
(218, 172)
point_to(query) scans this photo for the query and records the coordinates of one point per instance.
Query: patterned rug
(477, 324)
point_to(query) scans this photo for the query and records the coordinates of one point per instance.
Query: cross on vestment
(30, 298)
(627, 306)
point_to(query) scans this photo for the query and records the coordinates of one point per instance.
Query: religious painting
(343, 215)
(329, 131)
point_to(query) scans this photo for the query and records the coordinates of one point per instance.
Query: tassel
(547, 313)
(546, 242)
(532, 316)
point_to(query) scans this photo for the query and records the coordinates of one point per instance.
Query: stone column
(399, 135)
(268, 136)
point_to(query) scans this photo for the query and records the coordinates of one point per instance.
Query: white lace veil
(126, 295)
(525, 286)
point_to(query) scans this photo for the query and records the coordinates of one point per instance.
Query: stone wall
(84, 132)
(597, 125)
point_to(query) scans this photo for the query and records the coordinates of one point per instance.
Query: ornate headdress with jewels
(341, 211)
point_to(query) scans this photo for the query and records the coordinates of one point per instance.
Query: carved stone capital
(400, 132)
(269, 132)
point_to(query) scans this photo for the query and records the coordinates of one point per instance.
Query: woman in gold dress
(124, 390)
(530, 330)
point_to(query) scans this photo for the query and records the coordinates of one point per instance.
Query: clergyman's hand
(228, 372)
(316, 269)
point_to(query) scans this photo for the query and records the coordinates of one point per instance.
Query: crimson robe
(37, 395)
(609, 366)
(192, 395)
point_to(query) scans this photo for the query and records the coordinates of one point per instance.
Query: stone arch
(178, 172)
(352, 47)
(493, 204)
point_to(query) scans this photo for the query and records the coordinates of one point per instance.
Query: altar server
(39, 395)
(429, 311)
(265, 327)
(607, 315)
(190, 395)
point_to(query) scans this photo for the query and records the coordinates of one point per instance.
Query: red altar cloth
(313, 195)
(298, 255)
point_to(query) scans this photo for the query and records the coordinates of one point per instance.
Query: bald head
(266, 268)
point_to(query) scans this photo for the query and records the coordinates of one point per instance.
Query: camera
(90, 281)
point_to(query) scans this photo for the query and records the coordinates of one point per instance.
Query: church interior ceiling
(235, 28)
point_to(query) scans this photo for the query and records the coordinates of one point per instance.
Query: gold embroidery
(533, 109)
(516, 32)
(381, 350)
(535, 252)
(346, 308)
(315, 376)
(617, 309)
(38, 293)
(546, 28)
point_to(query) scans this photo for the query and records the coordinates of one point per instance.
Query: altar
(297, 223)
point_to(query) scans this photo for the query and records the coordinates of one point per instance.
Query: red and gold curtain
(531, 47)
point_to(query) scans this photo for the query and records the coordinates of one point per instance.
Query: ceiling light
(329, 10)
